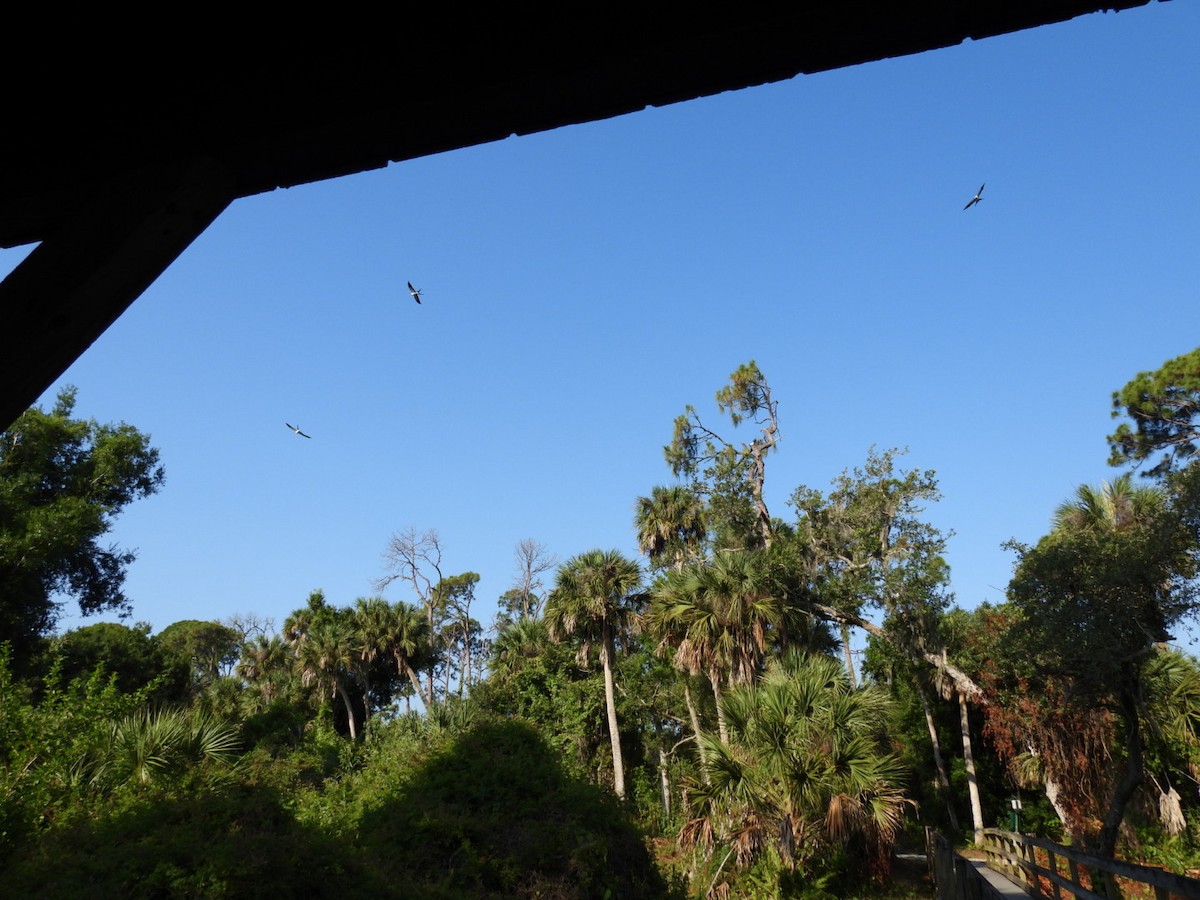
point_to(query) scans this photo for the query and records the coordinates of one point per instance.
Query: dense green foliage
(1163, 405)
(697, 728)
(131, 655)
(62, 483)
(104, 797)
(491, 812)
(806, 771)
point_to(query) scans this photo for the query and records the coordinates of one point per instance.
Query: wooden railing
(957, 878)
(1047, 869)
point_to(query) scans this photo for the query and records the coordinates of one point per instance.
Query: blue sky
(583, 285)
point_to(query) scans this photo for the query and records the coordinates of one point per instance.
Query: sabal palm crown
(592, 599)
(407, 639)
(1115, 553)
(521, 640)
(670, 524)
(1113, 506)
(265, 664)
(805, 766)
(721, 612)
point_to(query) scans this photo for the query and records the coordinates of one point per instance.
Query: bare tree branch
(532, 560)
(411, 556)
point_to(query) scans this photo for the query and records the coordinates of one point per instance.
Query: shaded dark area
(492, 816)
(496, 816)
(233, 842)
(115, 169)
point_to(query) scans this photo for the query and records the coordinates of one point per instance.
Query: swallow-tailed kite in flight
(978, 196)
(297, 430)
(416, 295)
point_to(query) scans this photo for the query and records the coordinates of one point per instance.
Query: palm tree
(371, 622)
(665, 624)
(1113, 506)
(407, 639)
(719, 616)
(327, 657)
(806, 767)
(670, 525)
(522, 640)
(298, 624)
(1173, 726)
(263, 663)
(593, 600)
(737, 587)
(153, 744)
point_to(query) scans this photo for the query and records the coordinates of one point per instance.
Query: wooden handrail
(1086, 876)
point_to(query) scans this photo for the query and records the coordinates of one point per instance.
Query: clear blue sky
(583, 285)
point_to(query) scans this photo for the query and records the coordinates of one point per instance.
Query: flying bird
(978, 196)
(297, 430)
(416, 295)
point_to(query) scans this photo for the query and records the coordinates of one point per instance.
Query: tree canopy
(1163, 405)
(1093, 603)
(63, 482)
(731, 476)
(742, 745)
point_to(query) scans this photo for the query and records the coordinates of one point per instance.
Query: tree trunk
(715, 679)
(413, 679)
(664, 781)
(432, 639)
(943, 778)
(468, 660)
(695, 717)
(607, 652)
(969, 763)
(366, 701)
(963, 682)
(849, 655)
(1131, 780)
(1052, 792)
(341, 689)
(758, 470)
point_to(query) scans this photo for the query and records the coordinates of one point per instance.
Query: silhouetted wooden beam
(87, 272)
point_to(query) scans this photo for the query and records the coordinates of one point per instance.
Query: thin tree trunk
(943, 778)
(464, 662)
(758, 473)
(849, 655)
(413, 679)
(695, 717)
(432, 640)
(341, 689)
(467, 641)
(366, 701)
(715, 680)
(610, 698)
(963, 682)
(969, 763)
(664, 781)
